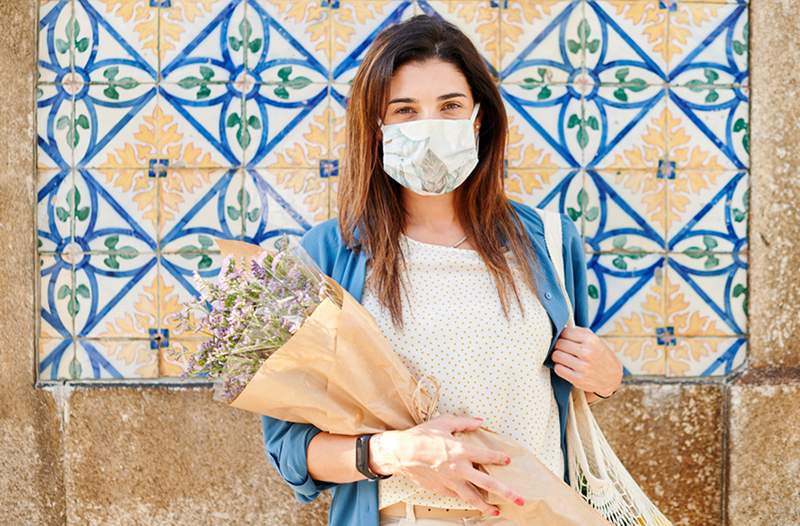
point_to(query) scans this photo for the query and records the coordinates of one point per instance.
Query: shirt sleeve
(575, 272)
(286, 443)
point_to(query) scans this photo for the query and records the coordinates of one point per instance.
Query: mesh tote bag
(595, 472)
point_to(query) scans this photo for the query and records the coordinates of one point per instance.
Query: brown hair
(369, 200)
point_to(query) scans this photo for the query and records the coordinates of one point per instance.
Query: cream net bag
(595, 472)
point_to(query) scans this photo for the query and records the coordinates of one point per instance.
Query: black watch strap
(362, 458)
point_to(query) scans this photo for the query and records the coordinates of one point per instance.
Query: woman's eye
(402, 110)
(452, 105)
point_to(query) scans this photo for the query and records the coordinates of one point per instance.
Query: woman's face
(432, 89)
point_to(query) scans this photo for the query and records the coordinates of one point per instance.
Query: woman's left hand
(582, 358)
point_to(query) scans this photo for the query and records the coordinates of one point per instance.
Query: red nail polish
(519, 501)
(508, 460)
(495, 512)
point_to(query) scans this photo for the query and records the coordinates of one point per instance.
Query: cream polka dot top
(486, 365)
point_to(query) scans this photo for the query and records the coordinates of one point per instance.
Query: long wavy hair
(370, 201)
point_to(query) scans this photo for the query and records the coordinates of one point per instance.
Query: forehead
(427, 80)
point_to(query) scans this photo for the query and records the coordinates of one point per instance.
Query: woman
(422, 212)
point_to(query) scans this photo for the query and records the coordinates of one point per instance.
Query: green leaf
(592, 213)
(235, 43)
(637, 85)
(544, 93)
(62, 46)
(253, 122)
(738, 290)
(739, 48)
(573, 214)
(709, 242)
(738, 215)
(82, 213)
(584, 30)
(281, 92)
(189, 252)
(620, 94)
(82, 121)
(245, 29)
(573, 121)
(694, 252)
(739, 125)
(619, 262)
(82, 290)
(711, 262)
(111, 92)
(583, 198)
(205, 262)
(593, 123)
(593, 46)
(593, 292)
(621, 74)
(75, 369)
(695, 85)
(619, 242)
(62, 214)
(189, 82)
(82, 45)
(206, 72)
(233, 212)
(573, 46)
(111, 262)
(63, 122)
(712, 96)
(583, 137)
(111, 73)
(254, 45)
(127, 252)
(203, 92)
(127, 83)
(298, 82)
(73, 307)
(252, 215)
(205, 241)
(243, 136)
(711, 75)
(284, 73)
(63, 292)
(233, 120)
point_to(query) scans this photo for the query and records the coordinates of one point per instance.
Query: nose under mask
(430, 156)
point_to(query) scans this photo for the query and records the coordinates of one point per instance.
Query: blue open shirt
(356, 503)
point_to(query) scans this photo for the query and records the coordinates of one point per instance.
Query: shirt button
(548, 295)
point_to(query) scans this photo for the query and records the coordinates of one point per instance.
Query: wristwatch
(362, 458)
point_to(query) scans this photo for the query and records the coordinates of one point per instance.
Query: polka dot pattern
(487, 365)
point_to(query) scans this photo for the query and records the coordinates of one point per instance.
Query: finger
(492, 485)
(566, 373)
(462, 423)
(484, 455)
(575, 334)
(467, 492)
(573, 362)
(570, 346)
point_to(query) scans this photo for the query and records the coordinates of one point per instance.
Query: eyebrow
(440, 97)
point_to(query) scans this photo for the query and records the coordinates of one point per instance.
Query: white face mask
(430, 156)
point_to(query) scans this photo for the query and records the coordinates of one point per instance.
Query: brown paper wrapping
(339, 373)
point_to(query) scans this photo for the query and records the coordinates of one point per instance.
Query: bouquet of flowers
(287, 341)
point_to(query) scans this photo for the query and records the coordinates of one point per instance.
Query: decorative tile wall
(165, 123)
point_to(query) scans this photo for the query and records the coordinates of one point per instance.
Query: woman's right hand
(435, 459)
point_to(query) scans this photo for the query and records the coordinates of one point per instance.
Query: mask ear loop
(474, 112)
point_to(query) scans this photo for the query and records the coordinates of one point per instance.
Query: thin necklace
(462, 240)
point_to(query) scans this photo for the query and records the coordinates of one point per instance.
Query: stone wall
(725, 449)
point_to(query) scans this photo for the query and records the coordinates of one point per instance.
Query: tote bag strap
(554, 235)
